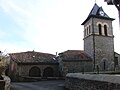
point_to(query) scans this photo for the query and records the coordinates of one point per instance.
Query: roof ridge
(32, 52)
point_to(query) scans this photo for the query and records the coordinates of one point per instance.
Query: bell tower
(99, 39)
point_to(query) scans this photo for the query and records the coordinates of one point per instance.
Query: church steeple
(98, 38)
(97, 12)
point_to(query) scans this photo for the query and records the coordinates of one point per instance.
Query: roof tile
(32, 56)
(74, 55)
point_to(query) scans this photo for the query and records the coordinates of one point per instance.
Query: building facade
(99, 39)
(32, 64)
(74, 61)
(98, 54)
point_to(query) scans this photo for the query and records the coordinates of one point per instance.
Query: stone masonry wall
(76, 67)
(92, 82)
(24, 69)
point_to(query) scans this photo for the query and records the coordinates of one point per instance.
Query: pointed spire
(94, 10)
(97, 12)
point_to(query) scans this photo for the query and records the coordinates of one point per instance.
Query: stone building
(32, 64)
(117, 62)
(99, 39)
(74, 61)
(98, 53)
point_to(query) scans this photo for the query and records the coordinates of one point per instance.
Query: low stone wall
(2, 85)
(7, 82)
(78, 81)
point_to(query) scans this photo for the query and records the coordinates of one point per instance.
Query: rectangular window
(116, 61)
(100, 29)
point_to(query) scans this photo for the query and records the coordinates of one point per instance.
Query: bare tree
(4, 62)
(117, 5)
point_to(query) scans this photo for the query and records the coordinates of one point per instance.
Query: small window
(89, 29)
(116, 61)
(85, 32)
(100, 29)
(105, 30)
(104, 65)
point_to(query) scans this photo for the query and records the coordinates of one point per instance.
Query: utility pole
(117, 5)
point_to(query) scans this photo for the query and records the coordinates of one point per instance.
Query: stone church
(99, 38)
(98, 53)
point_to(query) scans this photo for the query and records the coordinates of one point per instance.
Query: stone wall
(24, 69)
(76, 67)
(17, 72)
(100, 47)
(79, 81)
(117, 61)
(104, 53)
(7, 82)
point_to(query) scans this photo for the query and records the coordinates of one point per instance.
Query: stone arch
(48, 72)
(98, 23)
(35, 72)
(87, 30)
(104, 64)
(105, 30)
(105, 26)
(100, 29)
(90, 29)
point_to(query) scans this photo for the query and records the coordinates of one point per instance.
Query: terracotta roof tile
(74, 55)
(32, 56)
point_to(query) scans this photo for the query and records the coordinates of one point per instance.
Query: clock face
(101, 13)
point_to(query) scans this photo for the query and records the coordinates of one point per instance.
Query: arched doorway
(104, 64)
(35, 72)
(48, 72)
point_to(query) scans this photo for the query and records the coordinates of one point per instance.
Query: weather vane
(95, 1)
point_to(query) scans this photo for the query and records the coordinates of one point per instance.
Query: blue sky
(47, 25)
